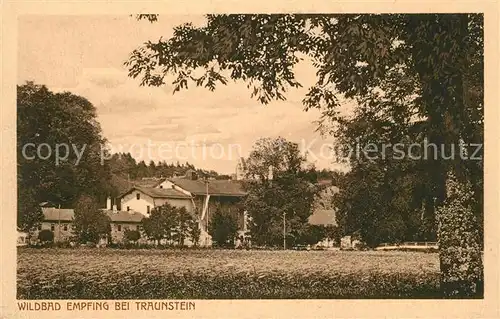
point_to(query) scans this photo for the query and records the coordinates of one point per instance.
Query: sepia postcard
(277, 160)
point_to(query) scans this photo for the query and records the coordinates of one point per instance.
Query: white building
(200, 198)
(144, 199)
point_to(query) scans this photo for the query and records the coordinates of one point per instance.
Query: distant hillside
(126, 171)
(120, 185)
(124, 165)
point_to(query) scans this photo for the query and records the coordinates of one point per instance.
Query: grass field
(224, 274)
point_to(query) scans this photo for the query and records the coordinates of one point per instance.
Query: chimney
(191, 174)
(108, 203)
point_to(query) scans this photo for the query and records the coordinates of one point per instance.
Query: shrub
(459, 242)
(132, 235)
(46, 236)
(223, 228)
(90, 223)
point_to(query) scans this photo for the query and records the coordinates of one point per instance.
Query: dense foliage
(90, 223)
(312, 234)
(132, 235)
(223, 228)
(170, 223)
(461, 265)
(124, 165)
(280, 188)
(47, 122)
(220, 274)
(29, 212)
(46, 236)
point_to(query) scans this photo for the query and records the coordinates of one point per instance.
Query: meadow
(103, 273)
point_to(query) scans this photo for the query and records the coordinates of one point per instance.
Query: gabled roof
(58, 214)
(215, 187)
(124, 216)
(233, 188)
(323, 217)
(153, 182)
(158, 192)
(68, 214)
(46, 204)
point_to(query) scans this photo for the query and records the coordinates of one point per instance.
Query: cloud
(194, 120)
(126, 104)
(132, 117)
(106, 78)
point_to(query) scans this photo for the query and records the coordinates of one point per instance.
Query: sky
(212, 130)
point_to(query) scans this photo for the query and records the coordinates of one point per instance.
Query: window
(52, 227)
(119, 227)
(128, 208)
(161, 186)
(65, 227)
(148, 209)
(126, 227)
(138, 196)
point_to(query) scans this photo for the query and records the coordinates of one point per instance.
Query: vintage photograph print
(249, 156)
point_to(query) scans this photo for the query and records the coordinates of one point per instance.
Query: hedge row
(231, 285)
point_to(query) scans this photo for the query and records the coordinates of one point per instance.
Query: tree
(223, 228)
(388, 198)
(155, 225)
(185, 222)
(90, 223)
(132, 235)
(123, 165)
(384, 204)
(459, 201)
(290, 191)
(64, 122)
(46, 236)
(142, 170)
(168, 222)
(431, 63)
(194, 232)
(310, 235)
(332, 233)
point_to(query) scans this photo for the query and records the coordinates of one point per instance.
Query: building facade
(200, 197)
(144, 199)
(60, 222)
(208, 196)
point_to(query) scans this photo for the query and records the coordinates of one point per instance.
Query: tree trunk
(441, 62)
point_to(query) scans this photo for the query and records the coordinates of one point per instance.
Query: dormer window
(138, 196)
